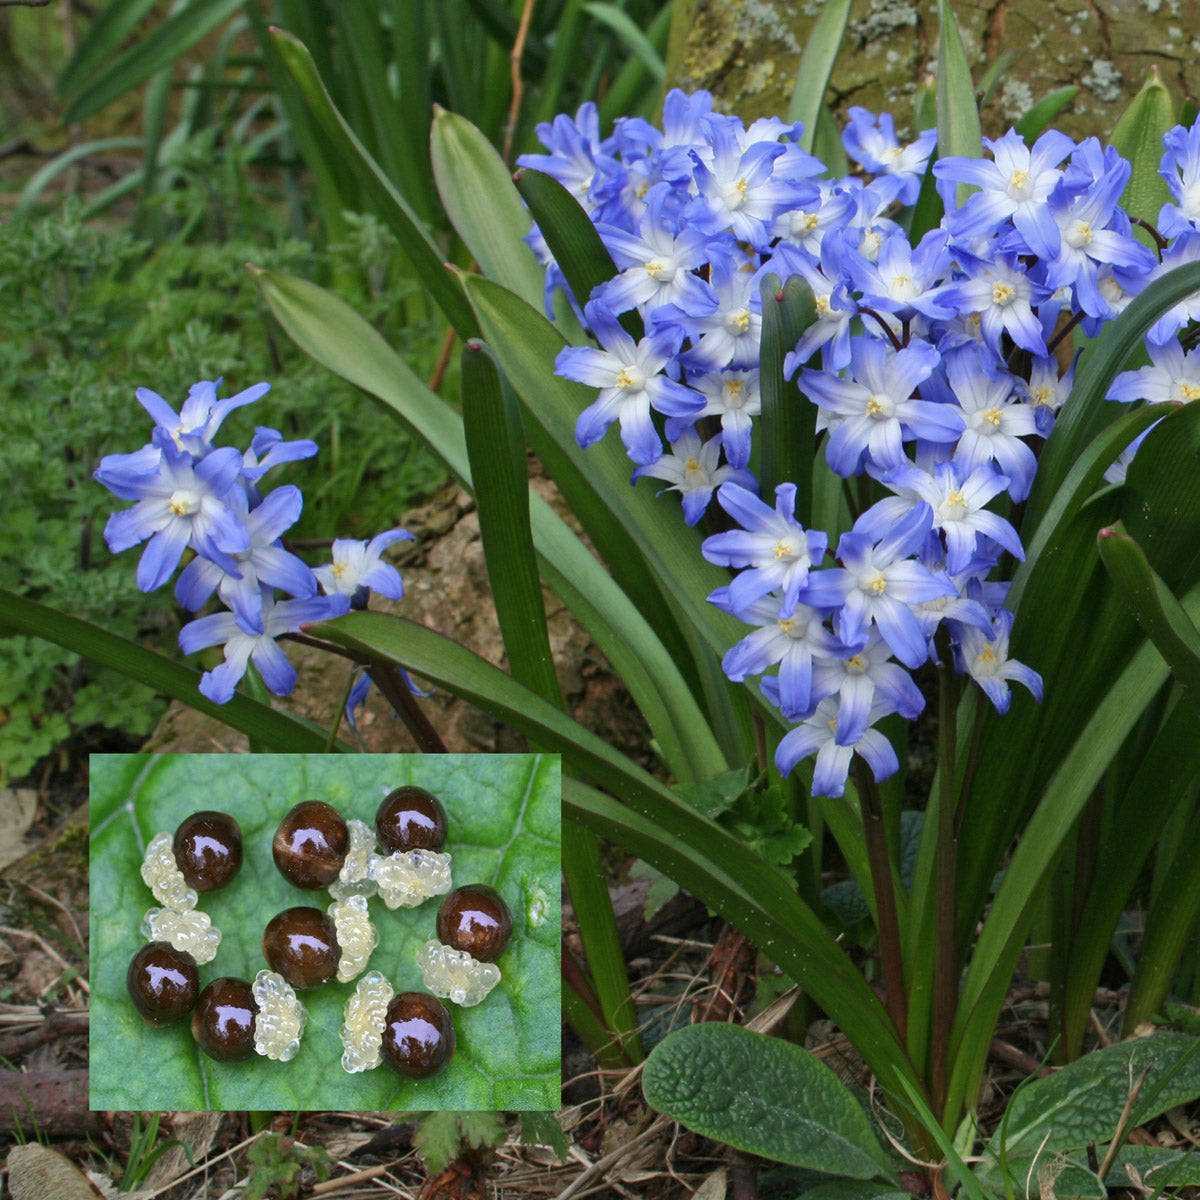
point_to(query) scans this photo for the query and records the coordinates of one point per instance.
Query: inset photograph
(361, 932)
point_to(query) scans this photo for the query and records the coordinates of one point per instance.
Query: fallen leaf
(17, 809)
(36, 1172)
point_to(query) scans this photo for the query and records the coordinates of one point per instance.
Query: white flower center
(183, 503)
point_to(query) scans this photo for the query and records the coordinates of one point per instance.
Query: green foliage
(1052, 1122)
(504, 829)
(90, 315)
(277, 1165)
(764, 1096)
(441, 1137)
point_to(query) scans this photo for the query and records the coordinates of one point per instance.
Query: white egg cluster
(281, 1017)
(191, 930)
(454, 975)
(163, 876)
(365, 1013)
(355, 935)
(354, 878)
(408, 878)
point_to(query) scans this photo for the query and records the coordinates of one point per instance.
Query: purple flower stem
(945, 950)
(386, 677)
(884, 885)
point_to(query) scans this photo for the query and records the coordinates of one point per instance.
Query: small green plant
(86, 311)
(281, 1168)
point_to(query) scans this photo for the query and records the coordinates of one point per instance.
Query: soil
(446, 589)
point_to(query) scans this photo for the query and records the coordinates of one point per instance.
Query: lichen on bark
(747, 51)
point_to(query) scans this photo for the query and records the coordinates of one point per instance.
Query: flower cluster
(195, 497)
(933, 367)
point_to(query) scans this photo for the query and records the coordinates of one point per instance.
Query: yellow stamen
(782, 550)
(992, 416)
(1002, 293)
(878, 585)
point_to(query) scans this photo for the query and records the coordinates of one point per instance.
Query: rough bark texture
(747, 51)
(55, 1102)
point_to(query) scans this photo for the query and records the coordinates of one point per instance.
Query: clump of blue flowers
(195, 499)
(935, 368)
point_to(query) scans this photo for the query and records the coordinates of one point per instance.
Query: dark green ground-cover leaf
(1082, 1103)
(764, 1096)
(504, 829)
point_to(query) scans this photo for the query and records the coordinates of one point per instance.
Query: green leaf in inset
(765, 1096)
(504, 829)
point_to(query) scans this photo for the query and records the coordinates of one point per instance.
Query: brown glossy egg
(418, 1035)
(163, 983)
(410, 818)
(310, 844)
(475, 919)
(301, 944)
(223, 1020)
(208, 850)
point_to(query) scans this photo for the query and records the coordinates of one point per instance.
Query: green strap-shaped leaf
(714, 871)
(158, 49)
(573, 239)
(280, 730)
(328, 329)
(496, 449)
(1085, 475)
(477, 192)
(1169, 927)
(1087, 411)
(788, 430)
(1000, 941)
(427, 260)
(101, 42)
(526, 345)
(1156, 609)
(635, 91)
(763, 1095)
(1039, 116)
(816, 66)
(60, 162)
(792, 933)
(627, 32)
(1138, 136)
(957, 112)
(1161, 502)
(1165, 779)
